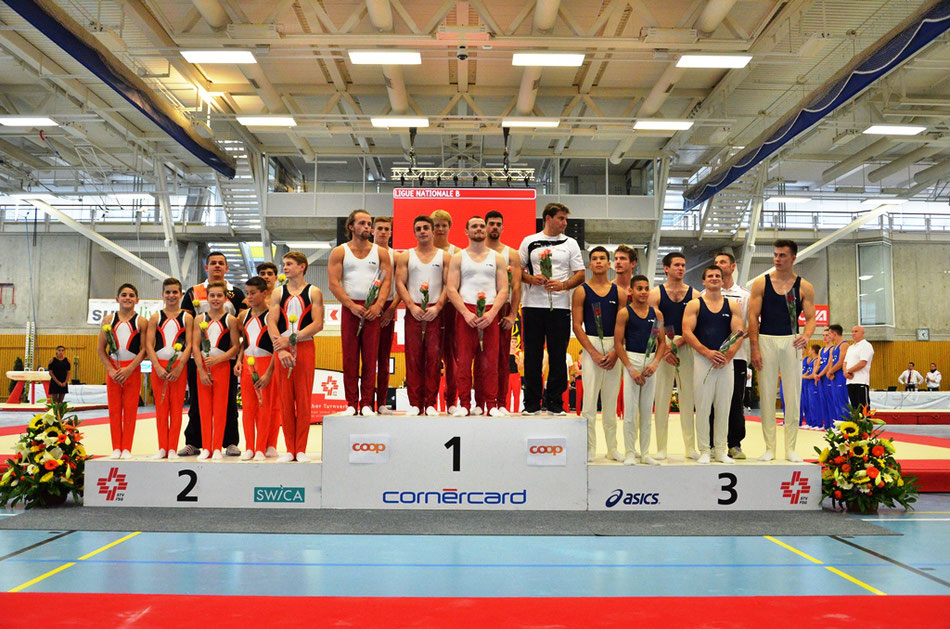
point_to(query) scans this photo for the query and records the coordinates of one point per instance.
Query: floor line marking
(36, 545)
(832, 569)
(23, 586)
(910, 519)
(874, 553)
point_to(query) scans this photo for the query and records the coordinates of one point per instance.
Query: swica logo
(796, 490)
(547, 451)
(279, 494)
(639, 498)
(369, 447)
(554, 450)
(113, 485)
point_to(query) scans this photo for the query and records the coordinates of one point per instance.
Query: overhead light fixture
(713, 61)
(894, 129)
(267, 121)
(657, 124)
(207, 96)
(309, 244)
(387, 57)
(399, 121)
(882, 201)
(132, 197)
(28, 121)
(530, 122)
(783, 199)
(865, 278)
(549, 59)
(38, 196)
(218, 56)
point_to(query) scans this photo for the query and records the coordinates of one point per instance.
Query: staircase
(726, 211)
(239, 196)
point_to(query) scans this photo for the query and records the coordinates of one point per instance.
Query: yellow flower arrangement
(849, 428)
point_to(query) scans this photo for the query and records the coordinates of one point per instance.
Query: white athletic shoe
(368, 412)
(461, 411)
(217, 456)
(722, 457)
(703, 458)
(476, 411)
(451, 410)
(126, 454)
(768, 456)
(385, 410)
(158, 455)
(695, 455)
(271, 452)
(302, 457)
(286, 457)
(431, 411)
(615, 455)
(259, 456)
(630, 460)
(349, 412)
(412, 411)
(498, 412)
(649, 460)
(793, 456)
(660, 456)
(172, 455)
(247, 455)
(116, 454)
(204, 455)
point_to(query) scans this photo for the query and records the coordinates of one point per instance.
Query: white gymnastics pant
(664, 389)
(605, 383)
(637, 407)
(714, 393)
(779, 356)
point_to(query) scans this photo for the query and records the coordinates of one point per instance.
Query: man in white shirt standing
(736, 429)
(857, 368)
(546, 307)
(933, 378)
(911, 378)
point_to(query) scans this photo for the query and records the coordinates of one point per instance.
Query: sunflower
(848, 428)
(859, 449)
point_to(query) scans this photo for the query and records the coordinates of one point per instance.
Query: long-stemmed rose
(792, 309)
(371, 297)
(547, 270)
(726, 345)
(599, 322)
(424, 291)
(653, 340)
(479, 311)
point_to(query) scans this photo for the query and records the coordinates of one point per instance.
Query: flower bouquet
(49, 461)
(726, 346)
(293, 341)
(792, 310)
(547, 271)
(424, 291)
(858, 467)
(112, 345)
(168, 368)
(479, 311)
(255, 378)
(371, 297)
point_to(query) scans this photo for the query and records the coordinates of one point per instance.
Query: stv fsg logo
(113, 485)
(796, 490)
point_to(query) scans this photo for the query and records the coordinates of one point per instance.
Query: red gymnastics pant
(256, 414)
(382, 359)
(504, 353)
(513, 397)
(450, 320)
(123, 407)
(486, 362)
(213, 405)
(276, 414)
(168, 412)
(359, 359)
(297, 397)
(422, 361)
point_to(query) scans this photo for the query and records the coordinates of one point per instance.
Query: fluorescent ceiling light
(557, 59)
(399, 121)
(218, 56)
(267, 121)
(387, 57)
(713, 61)
(882, 201)
(657, 124)
(131, 197)
(28, 121)
(38, 196)
(894, 129)
(309, 244)
(529, 121)
(781, 199)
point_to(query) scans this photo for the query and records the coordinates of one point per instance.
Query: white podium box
(190, 483)
(518, 463)
(714, 487)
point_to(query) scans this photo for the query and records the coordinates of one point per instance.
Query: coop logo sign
(547, 451)
(279, 494)
(369, 449)
(619, 496)
(454, 496)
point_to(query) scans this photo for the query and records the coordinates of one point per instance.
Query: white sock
(349, 412)
(217, 455)
(287, 457)
(302, 457)
(126, 454)
(271, 452)
(368, 411)
(116, 454)
(204, 454)
(259, 456)
(431, 411)
(158, 455)
(412, 411)
(247, 455)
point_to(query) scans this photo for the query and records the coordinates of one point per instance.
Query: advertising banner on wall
(99, 308)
